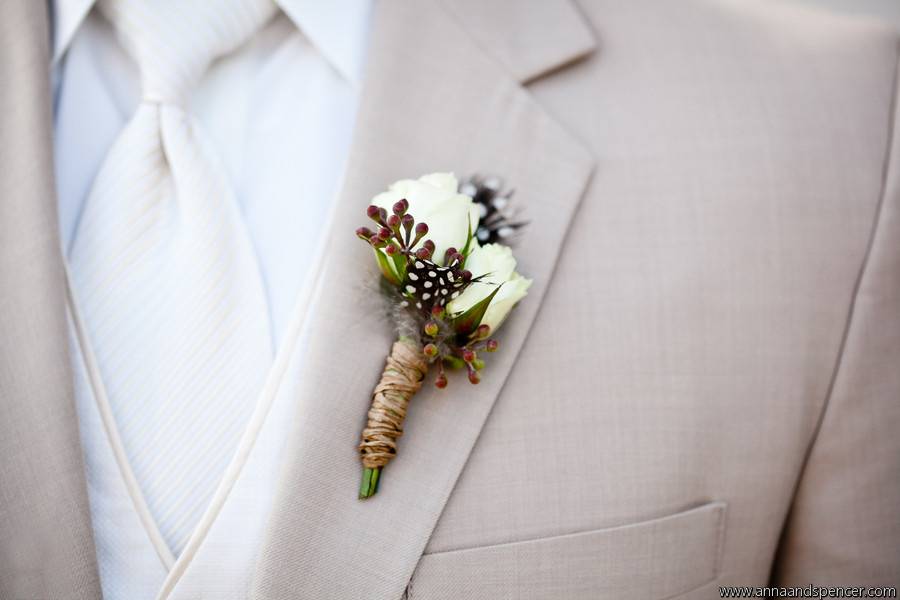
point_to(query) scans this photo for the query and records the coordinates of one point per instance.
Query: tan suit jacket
(702, 388)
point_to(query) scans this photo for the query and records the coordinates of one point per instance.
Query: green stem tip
(369, 485)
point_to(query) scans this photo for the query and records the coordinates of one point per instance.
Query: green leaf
(469, 321)
(387, 268)
(469, 237)
(400, 266)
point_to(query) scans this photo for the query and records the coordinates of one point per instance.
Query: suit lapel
(436, 98)
(46, 546)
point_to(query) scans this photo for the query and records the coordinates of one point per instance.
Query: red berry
(400, 207)
(441, 381)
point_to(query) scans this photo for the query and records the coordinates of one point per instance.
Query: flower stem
(369, 485)
(401, 378)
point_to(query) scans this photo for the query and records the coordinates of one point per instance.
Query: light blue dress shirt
(280, 110)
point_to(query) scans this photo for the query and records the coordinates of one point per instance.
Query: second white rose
(496, 265)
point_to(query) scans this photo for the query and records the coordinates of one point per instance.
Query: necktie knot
(173, 42)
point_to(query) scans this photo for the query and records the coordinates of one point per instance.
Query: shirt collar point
(67, 17)
(338, 29)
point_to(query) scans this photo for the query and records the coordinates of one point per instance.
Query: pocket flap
(660, 558)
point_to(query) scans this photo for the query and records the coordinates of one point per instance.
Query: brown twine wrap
(401, 379)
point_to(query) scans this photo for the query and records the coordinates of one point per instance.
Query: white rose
(434, 200)
(498, 265)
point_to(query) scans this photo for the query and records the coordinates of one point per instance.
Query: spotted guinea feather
(427, 284)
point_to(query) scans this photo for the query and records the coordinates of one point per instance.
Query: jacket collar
(527, 44)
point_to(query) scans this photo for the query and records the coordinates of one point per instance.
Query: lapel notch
(529, 39)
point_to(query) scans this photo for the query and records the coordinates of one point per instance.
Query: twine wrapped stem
(402, 377)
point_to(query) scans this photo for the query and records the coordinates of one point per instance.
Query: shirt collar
(337, 28)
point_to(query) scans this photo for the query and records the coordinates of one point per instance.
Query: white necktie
(165, 275)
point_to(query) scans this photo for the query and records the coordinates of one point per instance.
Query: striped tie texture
(163, 270)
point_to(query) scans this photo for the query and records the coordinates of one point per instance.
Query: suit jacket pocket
(656, 559)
